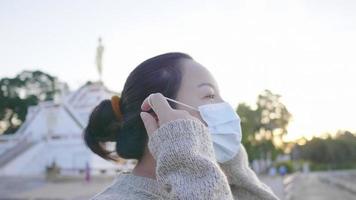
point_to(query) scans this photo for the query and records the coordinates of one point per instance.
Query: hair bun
(102, 127)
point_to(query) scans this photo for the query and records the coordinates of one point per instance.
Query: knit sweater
(186, 168)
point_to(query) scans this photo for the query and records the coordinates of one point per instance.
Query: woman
(172, 142)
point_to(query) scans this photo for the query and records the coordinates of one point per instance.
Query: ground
(298, 186)
(321, 186)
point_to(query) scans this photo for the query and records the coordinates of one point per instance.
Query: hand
(164, 112)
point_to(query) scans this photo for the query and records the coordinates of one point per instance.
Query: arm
(244, 182)
(186, 162)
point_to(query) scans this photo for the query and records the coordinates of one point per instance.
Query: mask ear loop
(188, 106)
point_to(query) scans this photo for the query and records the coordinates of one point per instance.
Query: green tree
(22, 91)
(338, 151)
(264, 127)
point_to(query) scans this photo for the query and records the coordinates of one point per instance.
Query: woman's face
(198, 87)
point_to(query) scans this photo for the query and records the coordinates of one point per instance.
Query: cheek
(194, 113)
(197, 115)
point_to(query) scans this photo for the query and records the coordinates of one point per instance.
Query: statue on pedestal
(99, 58)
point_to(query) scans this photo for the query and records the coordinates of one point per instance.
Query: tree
(336, 151)
(22, 91)
(264, 127)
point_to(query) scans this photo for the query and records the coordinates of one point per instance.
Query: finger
(150, 122)
(145, 106)
(160, 105)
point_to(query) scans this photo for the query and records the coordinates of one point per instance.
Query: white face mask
(224, 127)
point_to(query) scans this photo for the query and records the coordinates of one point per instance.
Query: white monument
(53, 133)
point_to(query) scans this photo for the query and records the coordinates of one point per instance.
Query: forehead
(195, 74)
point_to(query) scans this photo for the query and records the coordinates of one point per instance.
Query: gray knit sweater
(186, 169)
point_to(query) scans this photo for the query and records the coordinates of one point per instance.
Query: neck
(146, 166)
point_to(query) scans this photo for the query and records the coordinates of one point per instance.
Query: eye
(210, 96)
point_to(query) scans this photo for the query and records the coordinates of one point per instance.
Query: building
(52, 134)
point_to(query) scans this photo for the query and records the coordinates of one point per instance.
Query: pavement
(298, 186)
(276, 184)
(36, 188)
(321, 186)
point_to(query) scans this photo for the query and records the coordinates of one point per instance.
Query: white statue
(99, 58)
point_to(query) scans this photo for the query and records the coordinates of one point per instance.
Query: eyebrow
(207, 84)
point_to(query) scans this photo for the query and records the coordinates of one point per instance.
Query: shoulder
(123, 192)
(125, 187)
(109, 192)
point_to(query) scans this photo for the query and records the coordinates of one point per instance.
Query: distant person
(272, 171)
(186, 138)
(282, 170)
(87, 172)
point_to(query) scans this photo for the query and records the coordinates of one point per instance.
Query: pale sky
(303, 50)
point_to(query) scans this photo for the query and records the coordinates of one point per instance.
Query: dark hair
(163, 74)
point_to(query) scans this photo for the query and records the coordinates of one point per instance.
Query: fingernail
(149, 101)
(142, 115)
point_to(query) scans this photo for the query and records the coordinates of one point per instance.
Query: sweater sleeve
(243, 181)
(186, 166)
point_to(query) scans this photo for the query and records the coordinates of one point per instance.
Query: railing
(12, 153)
(21, 145)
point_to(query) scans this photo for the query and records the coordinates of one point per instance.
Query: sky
(303, 50)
